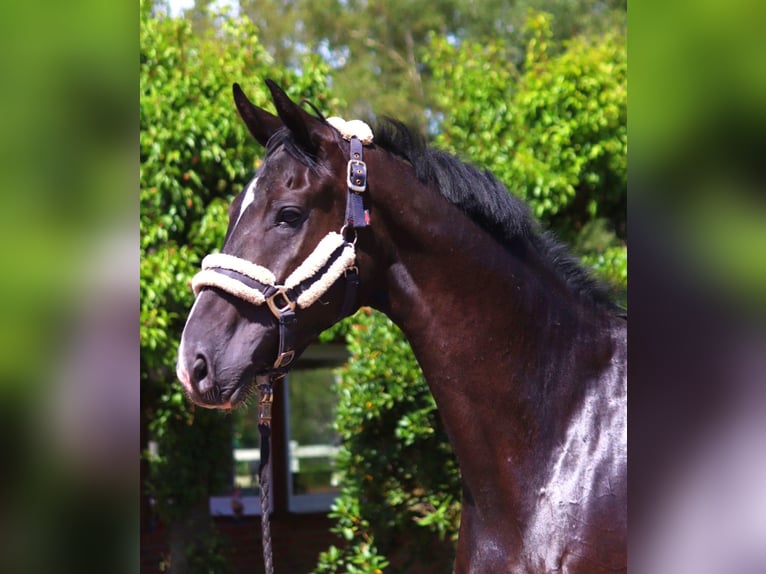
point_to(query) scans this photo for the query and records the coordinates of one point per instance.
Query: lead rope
(265, 400)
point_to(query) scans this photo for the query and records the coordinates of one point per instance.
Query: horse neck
(492, 330)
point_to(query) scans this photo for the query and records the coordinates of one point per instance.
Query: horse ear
(309, 131)
(261, 123)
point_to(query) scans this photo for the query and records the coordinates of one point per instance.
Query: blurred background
(69, 356)
(697, 360)
(70, 369)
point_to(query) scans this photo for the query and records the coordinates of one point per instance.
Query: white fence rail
(296, 453)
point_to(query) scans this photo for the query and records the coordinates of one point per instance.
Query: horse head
(288, 268)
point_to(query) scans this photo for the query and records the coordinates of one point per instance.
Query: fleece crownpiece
(349, 129)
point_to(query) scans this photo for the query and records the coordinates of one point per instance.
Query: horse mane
(483, 198)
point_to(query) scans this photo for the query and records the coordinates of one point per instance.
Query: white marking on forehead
(247, 200)
(249, 195)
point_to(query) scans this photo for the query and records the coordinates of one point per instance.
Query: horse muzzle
(219, 359)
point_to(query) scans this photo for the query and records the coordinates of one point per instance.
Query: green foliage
(555, 131)
(611, 266)
(195, 156)
(606, 257)
(401, 486)
(376, 47)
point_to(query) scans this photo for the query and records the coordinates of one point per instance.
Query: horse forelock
(284, 139)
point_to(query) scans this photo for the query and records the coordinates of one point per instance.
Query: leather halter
(334, 256)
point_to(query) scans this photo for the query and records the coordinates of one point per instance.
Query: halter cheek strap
(356, 180)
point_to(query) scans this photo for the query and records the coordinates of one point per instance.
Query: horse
(522, 349)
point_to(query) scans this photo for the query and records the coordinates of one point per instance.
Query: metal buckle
(356, 177)
(275, 308)
(265, 400)
(284, 359)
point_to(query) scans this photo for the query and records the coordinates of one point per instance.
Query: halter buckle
(284, 359)
(276, 308)
(356, 177)
(265, 400)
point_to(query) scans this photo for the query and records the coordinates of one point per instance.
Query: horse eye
(289, 216)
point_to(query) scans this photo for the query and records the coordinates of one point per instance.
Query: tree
(376, 48)
(195, 156)
(553, 129)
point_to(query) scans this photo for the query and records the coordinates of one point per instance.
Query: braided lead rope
(265, 400)
(264, 479)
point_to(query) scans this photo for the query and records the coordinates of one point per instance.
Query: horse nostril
(199, 375)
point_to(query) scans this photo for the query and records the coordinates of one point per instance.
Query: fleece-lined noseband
(257, 285)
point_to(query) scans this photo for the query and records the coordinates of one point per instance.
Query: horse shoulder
(579, 521)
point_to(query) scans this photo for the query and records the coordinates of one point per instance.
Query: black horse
(523, 352)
